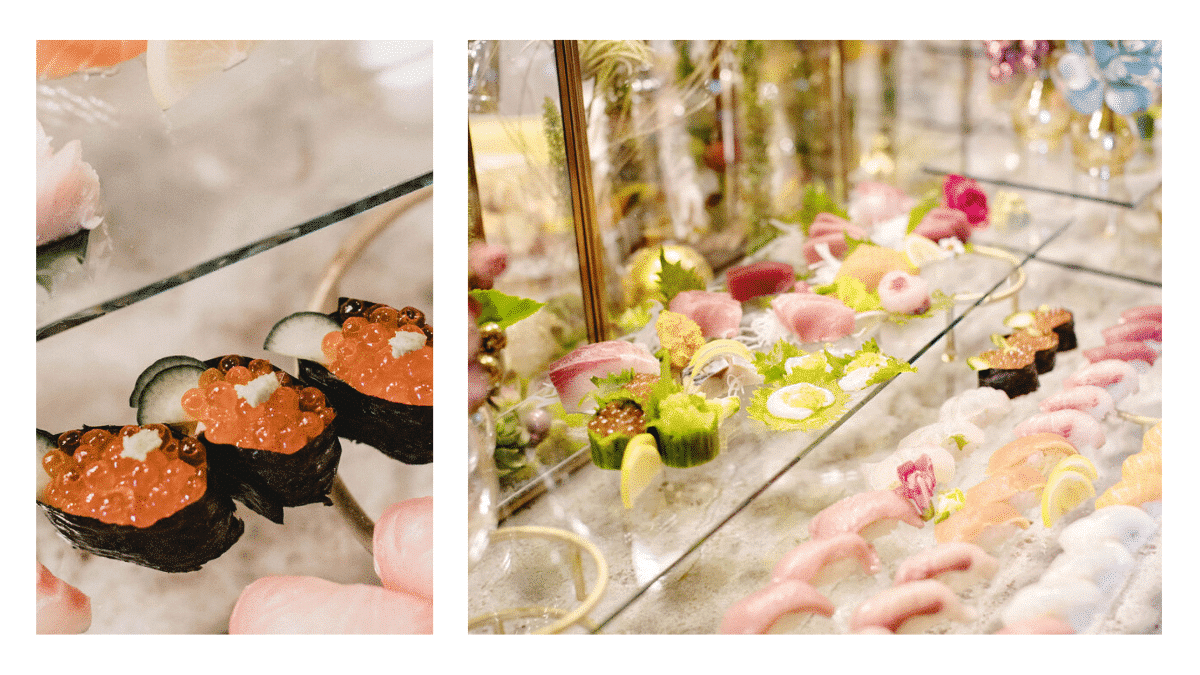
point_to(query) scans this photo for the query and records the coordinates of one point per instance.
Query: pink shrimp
(61, 608)
(912, 607)
(762, 610)
(823, 561)
(870, 514)
(957, 564)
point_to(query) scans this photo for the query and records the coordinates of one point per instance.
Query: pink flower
(964, 194)
(917, 481)
(942, 223)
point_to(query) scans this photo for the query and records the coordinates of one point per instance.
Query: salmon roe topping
(285, 422)
(363, 356)
(93, 475)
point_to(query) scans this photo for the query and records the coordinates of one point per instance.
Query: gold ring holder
(1016, 281)
(564, 618)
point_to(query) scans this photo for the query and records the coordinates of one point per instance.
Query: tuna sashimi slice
(717, 314)
(308, 605)
(61, 608)
(1133, 331)
(1125, 351)
(572, 374)
(766, 277)
(813, 317)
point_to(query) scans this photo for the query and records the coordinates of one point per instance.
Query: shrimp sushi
(271, 438)
(374, 364)
(140, 494)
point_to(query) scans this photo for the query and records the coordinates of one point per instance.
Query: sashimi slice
(403, 547)
(1126, 351)
(1073, 601)
(1105, 564)
(957, 564)
(828, 223)
(1129, 525)
(766, 277)
(572, 374)
(1133, 331)
(1119, 377)
(823, 561)
(1040, 451)
(1020, 486)
(1080, 429)
(59, 58)
(980, 406)
(68, 190)
(717, 314)
(758, 612)
(869, 514)
(943, 223)
(1143, 313)
(813, 317)
(988, 524)
(1086, 398)
(1038, 625)
(62, 609)
(913, 607)
(312, 606)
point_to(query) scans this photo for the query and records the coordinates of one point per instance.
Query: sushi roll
(1047, 319)
(271, 438)
(1044, 346)
(139, 493)
(1012, 370)
(374, 364)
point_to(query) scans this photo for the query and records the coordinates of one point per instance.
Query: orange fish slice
(60, 58)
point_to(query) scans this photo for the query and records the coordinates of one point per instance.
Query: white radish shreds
(138, 445)
(406, 341)
(258, 390)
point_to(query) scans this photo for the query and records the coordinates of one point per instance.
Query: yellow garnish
(640, 465)
(679, 335)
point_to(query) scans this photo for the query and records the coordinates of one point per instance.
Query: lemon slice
(1064, 491)
(175, 67)
(921, 250)
(1077, 463)
(640, 465)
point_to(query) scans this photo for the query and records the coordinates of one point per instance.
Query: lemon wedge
(921, 250)
(1077, 463)
(639, 467)
(175, 67)
(1065, 490)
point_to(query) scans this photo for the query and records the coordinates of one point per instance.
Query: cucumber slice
(156, 368)
(159, 403)
(300, 335)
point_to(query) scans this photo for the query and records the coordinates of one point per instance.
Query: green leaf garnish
(816, 200)
(820, 417)
(502, 308)
(959, 440)
(853, 292)
(673, 279)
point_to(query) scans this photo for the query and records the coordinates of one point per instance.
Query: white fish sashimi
(1106, 564)
(572, 374)
(959, 565)
(312, 606)
(1074, 601)
(980, 406)
(1130, 526)
(760, 611)
(62, 609)
(913, 607)
(958, 436)
(822, 561)
(1079, 428)
(1038, 625)
(403, 547)
(882, 475)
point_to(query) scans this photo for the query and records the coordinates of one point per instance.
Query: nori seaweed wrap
(1012, 370)
(182, 541)
(401, 431)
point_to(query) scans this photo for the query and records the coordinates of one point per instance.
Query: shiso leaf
(819, 419)
(853, 292)
(816, 200)
(502, 308)
(673, 279)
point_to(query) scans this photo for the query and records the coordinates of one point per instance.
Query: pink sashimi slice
(1133, 331)
(758, 612)
(717, 314)
(1143, 313)
(572, 374)
(312, 606)
(68, 191)
(1119, 377)
(1079, 428)
(1087, 398)
(834, 241)
(403, 547)
(813, 317)
(62, 609)
(858, 512)
(1040, 625)
(943, 223)
(1125, 351)
(910, 608)
(766, 277)
(987, 524)
(828, 223)
(808, 561)
(957, 564)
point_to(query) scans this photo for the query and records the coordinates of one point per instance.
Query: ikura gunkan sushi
(374, 363)
(139, 493)
(271, 437)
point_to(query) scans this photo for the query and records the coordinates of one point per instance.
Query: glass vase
(1040, 113)
(1102, 142)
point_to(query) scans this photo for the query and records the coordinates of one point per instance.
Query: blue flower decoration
(1120, 73)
